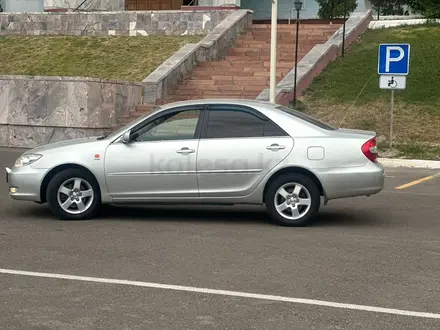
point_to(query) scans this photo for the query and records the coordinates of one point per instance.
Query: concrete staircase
(244, 72)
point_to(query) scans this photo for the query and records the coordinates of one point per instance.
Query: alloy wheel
(292, 201)
(75, 195)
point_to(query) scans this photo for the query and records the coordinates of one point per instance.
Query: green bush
(333, 9)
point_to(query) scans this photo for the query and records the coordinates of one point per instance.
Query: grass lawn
(122, 58)
(347, 92)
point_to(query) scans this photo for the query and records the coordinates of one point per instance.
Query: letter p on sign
(393, 59)
(389, 58)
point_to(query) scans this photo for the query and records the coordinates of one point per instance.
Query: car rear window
(307, 118)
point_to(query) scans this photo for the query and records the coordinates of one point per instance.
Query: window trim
(175, 110)
(310, 120)
(237, 108)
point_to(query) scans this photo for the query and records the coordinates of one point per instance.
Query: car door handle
(275, 147)
(185, 151)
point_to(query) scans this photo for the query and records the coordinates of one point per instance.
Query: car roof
(220, 101)
(262, 106)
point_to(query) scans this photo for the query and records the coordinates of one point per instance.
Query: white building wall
(23, 5)
(262, 8)
(90, 5)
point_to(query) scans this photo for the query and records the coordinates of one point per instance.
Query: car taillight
(369, 149)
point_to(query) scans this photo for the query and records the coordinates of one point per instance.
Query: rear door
(237, 149)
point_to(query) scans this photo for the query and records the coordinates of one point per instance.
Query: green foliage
(428, 8)
(333, 9)
(391, 7)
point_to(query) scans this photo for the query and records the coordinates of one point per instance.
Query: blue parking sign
(393, 59)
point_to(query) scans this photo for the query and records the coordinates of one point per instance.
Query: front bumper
(25, 183)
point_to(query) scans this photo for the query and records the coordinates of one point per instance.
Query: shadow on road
(209, 214)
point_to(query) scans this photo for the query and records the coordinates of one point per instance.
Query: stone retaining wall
(57, 108)
(124, 23)
(317, 59)
(213, 47)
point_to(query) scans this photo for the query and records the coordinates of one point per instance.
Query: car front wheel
(74, 194)
(293, 200)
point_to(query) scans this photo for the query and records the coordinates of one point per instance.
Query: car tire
(68, 202)
(293, 200)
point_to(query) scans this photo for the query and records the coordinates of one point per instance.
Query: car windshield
(307, 118)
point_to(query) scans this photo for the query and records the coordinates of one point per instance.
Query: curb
(410, 163)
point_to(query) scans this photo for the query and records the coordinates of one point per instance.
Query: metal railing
(83, 3)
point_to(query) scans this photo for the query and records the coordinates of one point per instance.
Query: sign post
(393, 67)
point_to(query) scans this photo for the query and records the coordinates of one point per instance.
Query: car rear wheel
(74, 194)
(293, 200)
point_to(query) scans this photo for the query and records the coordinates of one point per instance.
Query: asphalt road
(382, 251)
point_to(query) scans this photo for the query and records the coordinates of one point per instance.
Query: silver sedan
(205, 152)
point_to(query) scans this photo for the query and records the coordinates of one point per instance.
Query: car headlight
(27, 160)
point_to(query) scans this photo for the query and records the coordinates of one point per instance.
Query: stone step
(208, 72)
(245, 71)
(234, 54)
(263, 52)
(332, 26)
(225, 65)
(145, 107)
(245, 85)
(236, 59)
(280, 32)
(258, 44)
(284, 37)
(284, 54)
(261, 79)
(248, 71)
(286, 48)
(137, 114)
(302, 35)
(284, 42)
(221, 80)
(211, 95)
(232, 95)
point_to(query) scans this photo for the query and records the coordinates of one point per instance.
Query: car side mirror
(126, 137)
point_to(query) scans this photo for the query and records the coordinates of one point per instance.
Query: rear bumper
(25, 183)
(352, 182)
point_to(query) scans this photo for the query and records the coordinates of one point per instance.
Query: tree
(391, 7)
(333, 9)
(428, 8)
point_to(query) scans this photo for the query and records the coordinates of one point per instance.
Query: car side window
(175, 126)
(236, 124)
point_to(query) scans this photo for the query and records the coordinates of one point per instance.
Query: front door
(237, 149)
(160, 161)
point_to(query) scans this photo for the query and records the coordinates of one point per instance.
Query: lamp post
(343, 29)
(298, 6)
